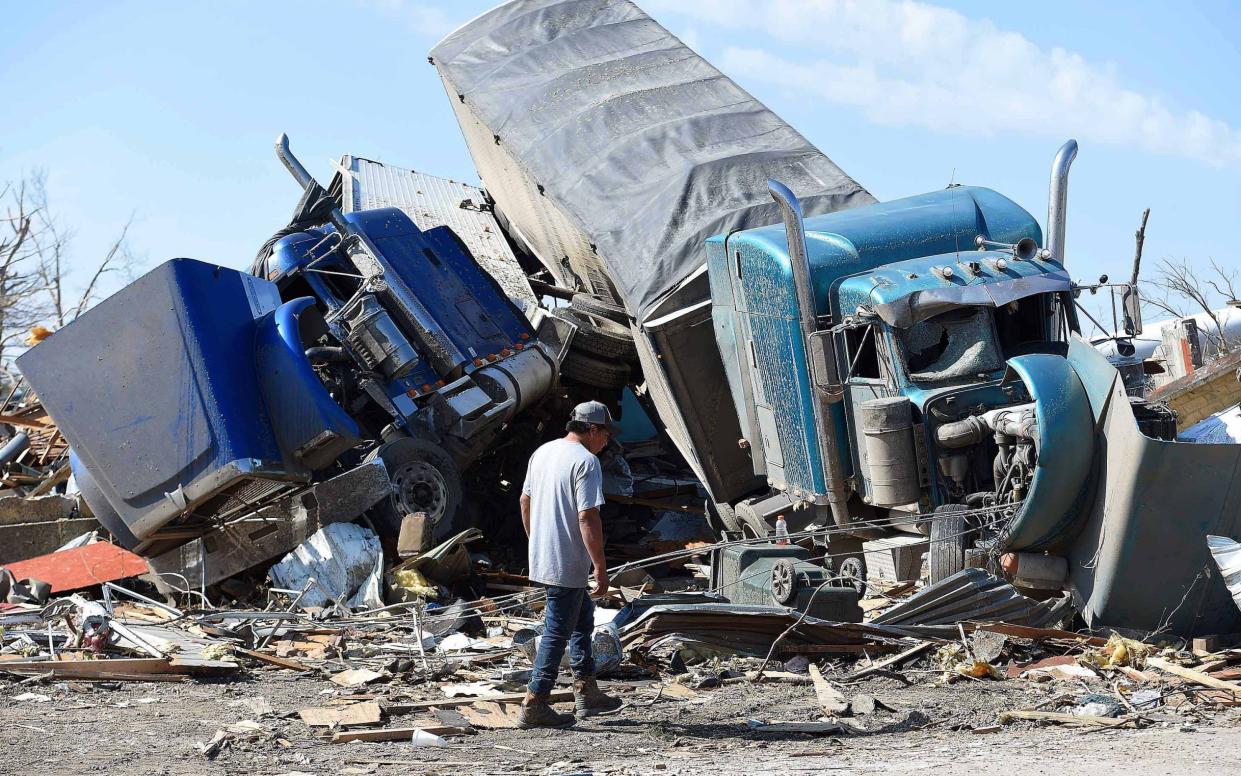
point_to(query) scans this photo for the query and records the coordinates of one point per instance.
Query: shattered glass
(958, 343)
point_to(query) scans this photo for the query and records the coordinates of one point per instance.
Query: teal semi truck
(862, 367)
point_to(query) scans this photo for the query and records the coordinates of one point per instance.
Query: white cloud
(911, 63)
(422, 17)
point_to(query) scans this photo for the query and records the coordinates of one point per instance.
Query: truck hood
(906, 292)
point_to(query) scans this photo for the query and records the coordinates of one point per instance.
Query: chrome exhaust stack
(825, 428)
(1058, 199)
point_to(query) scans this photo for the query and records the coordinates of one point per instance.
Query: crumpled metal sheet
(971, 595)
(1227, 555)
(26, 591)
(341, 563)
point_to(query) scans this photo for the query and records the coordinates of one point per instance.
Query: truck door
(867, 375)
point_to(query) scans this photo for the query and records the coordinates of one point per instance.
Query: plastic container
(782, 531)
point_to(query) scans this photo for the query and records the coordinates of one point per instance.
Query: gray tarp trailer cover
(614, 151)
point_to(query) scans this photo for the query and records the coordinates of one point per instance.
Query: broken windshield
(958, 343)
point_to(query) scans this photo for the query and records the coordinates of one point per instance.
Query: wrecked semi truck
(863, 367)
(364, 356)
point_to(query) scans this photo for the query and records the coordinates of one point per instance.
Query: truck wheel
(723, 518)
(424, 479)
(751, 524)
(595, 372)
(599, 336)
(593, 305)
(949, 537)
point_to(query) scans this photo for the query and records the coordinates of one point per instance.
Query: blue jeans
(568, 619)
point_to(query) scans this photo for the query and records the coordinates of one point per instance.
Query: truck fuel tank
(781, 575)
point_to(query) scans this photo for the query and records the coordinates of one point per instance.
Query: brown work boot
(536, 712)
(590, 700)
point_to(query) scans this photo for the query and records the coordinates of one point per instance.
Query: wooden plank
(830, 699)
(279, 662)
(398, 734)
(144, 666)
(1190, 674)
(491, 716)
(355, 677)
(1026, 632)
(17, 420)
(887, 662)
(354, 714)
(45, 487)
(1216, 643)
(835, 649)
(1067, 719)
(110, 676)
(556, 696)
(678, 691)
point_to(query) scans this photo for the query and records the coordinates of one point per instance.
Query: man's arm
(592, 535)
(525, 513)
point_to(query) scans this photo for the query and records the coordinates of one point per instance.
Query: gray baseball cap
(595, 413)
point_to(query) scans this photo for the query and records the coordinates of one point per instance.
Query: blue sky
(169, 111)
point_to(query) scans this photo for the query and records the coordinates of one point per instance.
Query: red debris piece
(1017, 670)
(80, 567)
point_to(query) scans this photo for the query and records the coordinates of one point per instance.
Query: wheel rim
(417, 486)
(782, 582)
(851, 571)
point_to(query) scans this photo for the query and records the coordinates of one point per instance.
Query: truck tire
(424, 479)
(595, 372)
(949, 537)
(598, 336)
(751, 524)
(723, 518)
(593, 305)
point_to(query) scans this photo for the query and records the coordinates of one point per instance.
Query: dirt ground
(152, 728)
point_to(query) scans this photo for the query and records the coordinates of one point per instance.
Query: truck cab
(938, 321)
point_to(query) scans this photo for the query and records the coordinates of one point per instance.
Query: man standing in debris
(560, 509)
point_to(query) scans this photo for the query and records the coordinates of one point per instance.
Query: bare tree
(35, 265)
(1182, 290)
(23, 301)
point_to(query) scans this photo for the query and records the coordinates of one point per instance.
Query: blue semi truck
(212, 394)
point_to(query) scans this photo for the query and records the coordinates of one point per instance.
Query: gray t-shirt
(563, 478)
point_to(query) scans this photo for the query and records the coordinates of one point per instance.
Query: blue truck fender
(1066, 452)
(309, 425)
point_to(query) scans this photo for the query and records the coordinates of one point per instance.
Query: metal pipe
(1058, 199)
(825, 429)
(14, 447)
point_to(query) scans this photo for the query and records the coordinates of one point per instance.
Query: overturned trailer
(613, 151)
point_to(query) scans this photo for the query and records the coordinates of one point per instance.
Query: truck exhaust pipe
(1058, 199)
(825, 429)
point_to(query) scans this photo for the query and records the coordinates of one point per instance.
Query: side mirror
(1131, 303)
(824, 371)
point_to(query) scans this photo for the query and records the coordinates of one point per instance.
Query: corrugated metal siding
(431, 201)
